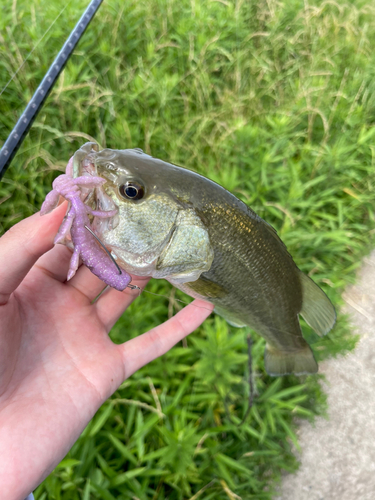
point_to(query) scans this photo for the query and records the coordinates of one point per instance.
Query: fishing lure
(77, 226)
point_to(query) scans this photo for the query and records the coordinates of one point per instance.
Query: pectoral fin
(317, 309)
(299, 362)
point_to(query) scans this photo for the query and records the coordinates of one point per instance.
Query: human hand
(57, 363)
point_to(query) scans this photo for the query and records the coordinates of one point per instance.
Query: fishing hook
(132, 287)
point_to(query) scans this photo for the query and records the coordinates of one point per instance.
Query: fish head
(157, 231)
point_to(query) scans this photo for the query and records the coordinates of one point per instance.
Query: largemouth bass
(175, 224)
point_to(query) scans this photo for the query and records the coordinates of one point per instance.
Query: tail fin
(317, 309)
(299, 362)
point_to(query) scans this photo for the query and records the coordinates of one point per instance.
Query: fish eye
(132, 190)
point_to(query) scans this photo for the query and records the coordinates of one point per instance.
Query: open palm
(57, 363)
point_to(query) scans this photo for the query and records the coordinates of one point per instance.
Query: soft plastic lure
(77, 222)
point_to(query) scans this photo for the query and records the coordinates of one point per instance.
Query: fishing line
(169, 298)
(276, 330)
(34, 48)
(140, 291)
(201, 307)
(41, 143)
(207, 309)
(135, 287)
(250, 381)
(177, 300)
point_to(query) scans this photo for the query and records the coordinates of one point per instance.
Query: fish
(178, 225)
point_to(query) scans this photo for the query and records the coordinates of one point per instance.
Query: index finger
(22, 245)
(140, 350)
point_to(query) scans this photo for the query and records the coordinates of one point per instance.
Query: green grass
(273, 100)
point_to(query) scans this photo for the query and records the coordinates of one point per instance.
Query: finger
(55, 263)
(113, 303)
(145, 348)
(23, 244)
(87, 283)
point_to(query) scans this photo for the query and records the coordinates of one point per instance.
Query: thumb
(23, 244)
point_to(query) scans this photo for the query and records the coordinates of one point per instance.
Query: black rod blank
(23, 125)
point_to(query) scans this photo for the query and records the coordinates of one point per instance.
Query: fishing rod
(16, 137)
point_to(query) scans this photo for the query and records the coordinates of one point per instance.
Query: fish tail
(299, 362)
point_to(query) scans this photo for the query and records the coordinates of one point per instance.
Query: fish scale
(254, 267)
(211, 246)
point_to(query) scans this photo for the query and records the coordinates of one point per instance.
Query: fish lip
(107, 165)
(83, 163)
(90, 160)
(108, 170)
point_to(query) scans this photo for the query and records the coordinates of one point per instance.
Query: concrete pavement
(338, 455)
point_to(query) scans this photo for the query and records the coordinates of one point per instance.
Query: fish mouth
(90, 160)
(83, 160)
(84, 165)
